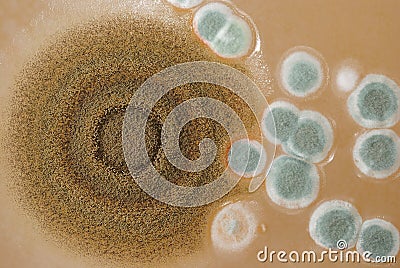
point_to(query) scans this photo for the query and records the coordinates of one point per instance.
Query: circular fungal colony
(378, 237)
(292, 183)
(376, 102)
(302, 72)
(312, 139)
(224, 31)
(347, 78)
(280, 121)
(234, 227)
(70, 137)
(247, 158)
(377, 153)
(334, 221)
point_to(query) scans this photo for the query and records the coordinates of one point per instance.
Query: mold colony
(247, 158)
(70, 134)
(66, 135)
(307, 136)
(347, 78)
(280, 121)
(302, 72)
(375, 103)
(333, 221)
(234, 227)
(292, 183)
(312, 139)
(377, 153)
(380, 238)
(225, 32)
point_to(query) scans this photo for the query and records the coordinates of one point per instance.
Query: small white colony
(347, 78)
(234, 227)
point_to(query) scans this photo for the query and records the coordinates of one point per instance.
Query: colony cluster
(306, 138)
